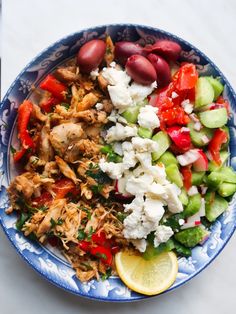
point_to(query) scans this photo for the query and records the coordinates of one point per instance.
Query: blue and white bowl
(45, 260)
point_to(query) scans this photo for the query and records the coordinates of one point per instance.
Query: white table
(30, 26)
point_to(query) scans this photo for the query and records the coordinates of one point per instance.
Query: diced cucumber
(226, 189)
(214, 118)
(168, 158)
(193, 206)
(152, 251)
(228, 174)
(145, 133)
(217, 86)
(131, 114)
(214, 180)
(212, 166)
(173, 221)
(182, 250)
(191, 237)
(173, 174)
(197, 177)
(215, 206)
(183, 197)
(163, 141)
(204, 92)
(198, 136)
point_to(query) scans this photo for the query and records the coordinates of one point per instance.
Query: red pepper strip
(85, 246)
(63, 187)
(55, 87)
(18, 155)
(24, 112)
(186, 77)
(187, 176)
(48, 105)
(103, 253)
(220, 137)
(99, 238)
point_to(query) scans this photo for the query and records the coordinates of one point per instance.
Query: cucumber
(168, 158)
(226, 189)
(204, 92)
(215, 206)
(228, 174)
(197, 177)
(214, 180)
(214, 118)
(183, 197)
(193, 206)
(182, 250)
(163, 141)
(191, 237)
(173, 174)
(152, 251)
(212, 166)
(145, 133)
(217, 86)
(173, 221)
(196, 136)
(131, 114)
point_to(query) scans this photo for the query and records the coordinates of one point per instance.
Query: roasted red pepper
(55, 87)
(62, 187)
(220, 137)
(19, 154)
(187, 176)
(48, 105)
(99, 238)
(44, 199)
(24, 113)
(85, 246)
(103, 253)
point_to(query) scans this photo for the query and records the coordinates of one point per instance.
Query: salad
(123, 150)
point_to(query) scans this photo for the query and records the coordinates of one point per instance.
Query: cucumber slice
(145, 133)
(197, 177)
(215, 206)
(183, 197)
(131, 114)
(163, 141)
(197, 136)
(217, 86)
(226, 189)
(212, 166)
(204, 92)
(228, 174)
(182, 250)
(191, 237)
(152, 251)
(193, 206)
(214, 118)
(168, 158)
(173, 174)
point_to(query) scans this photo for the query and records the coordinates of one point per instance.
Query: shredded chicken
(69, 74)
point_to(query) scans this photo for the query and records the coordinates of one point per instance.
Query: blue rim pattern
(45, 261)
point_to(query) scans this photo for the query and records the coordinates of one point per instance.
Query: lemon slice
(148, 277)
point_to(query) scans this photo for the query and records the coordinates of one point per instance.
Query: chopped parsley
(66, 105)
(21, 220)
(90, 233)
(96, 189)
(87, 212)
(12, 149)
(54, 223)
(107, 274)
(81, 235)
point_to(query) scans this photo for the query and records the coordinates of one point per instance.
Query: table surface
(31, 25)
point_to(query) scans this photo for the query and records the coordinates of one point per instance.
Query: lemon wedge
(148, 277)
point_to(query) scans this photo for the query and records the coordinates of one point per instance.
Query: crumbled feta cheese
(162, 234)
(117, 147)
(119, 132)
(122, 120)
(187, 106)
(139, 92)
(113, 116)
(129, 159)
(145, 159)
(159, 173)
(172, 200)
(139, 185)
(188, 158)
(193, 191)
(142, 145)
(148, 118)
(181, 222)
(140, 244)
(116, 77)
(120, 96)
(94, 74)
(197, 126)
(153, 209)
(114, 170)
(156, 190)
(99, 106)
(174, 95)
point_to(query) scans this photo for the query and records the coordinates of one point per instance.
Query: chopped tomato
(186, 77)
(103, 253)
(85, 246)
(187, 176)
(220, 137)
(99, 238)
(180, 137)
(223, 103)
(48, 105)
(62, 187)
(55, 87)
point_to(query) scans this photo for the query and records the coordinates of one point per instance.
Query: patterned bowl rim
(199, 52)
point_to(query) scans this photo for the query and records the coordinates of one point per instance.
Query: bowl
(45, 259)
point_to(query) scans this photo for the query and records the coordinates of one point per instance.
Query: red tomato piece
(63, 187)
(186, 78)
(48, 105)
(220, 137)
(187, 176)
(103, 253)
(85, 246)
(180, 137)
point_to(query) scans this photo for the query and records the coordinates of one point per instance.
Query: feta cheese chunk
(129, 159)
(172, 200)
(153, 209)
(94, 74)
(99, 106)
(148, 118)
(119, 132)
(142, 145)
(139, 185)
(162, 234)
(140, 244)
(139, 92)
(116, 77)
(112, 169)
(120, 96)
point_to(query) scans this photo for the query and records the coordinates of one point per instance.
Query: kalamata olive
(90, 55)
(125, 49)
(168, 49)
(141, 70)
(162, 69)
